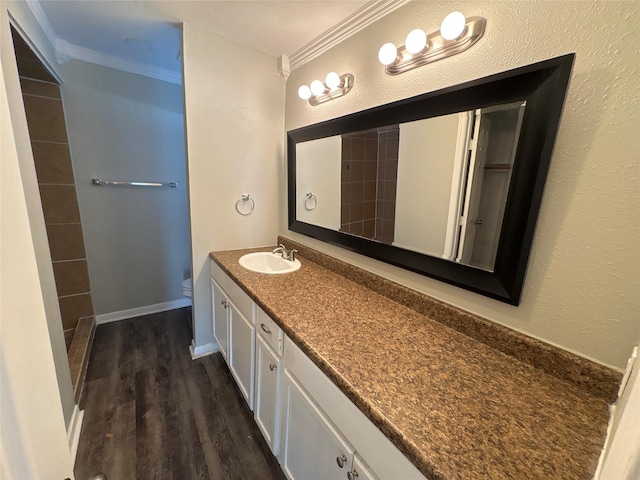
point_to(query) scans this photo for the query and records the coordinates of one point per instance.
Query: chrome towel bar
(98, 182)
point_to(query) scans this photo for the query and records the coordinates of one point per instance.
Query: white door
(469, 220)
(311, 446)
(242, 344)
(360, 470)
(220, 318)
(267, 397)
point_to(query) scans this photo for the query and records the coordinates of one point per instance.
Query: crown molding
(43, 21)
(360, 19)
(66, 51)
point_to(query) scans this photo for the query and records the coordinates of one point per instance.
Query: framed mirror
(447, 184)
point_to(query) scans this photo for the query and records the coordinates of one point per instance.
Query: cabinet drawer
(270, 331)
(375, 448)
(241, 300)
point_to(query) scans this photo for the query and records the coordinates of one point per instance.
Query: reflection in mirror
(505, 127)
(436, 186)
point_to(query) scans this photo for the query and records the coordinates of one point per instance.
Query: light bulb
(317, 87)
(416, 41)
(304, 92)
(387, 54)
(453, 26)
(332, 80)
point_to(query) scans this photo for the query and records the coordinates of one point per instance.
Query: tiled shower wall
(358, 183)
(48, 134)
(47, 130)
(388, 143)
(368, 183)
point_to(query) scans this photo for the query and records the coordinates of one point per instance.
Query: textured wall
(582, 286)
(234, 116)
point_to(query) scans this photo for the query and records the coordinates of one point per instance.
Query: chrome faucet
(286, 254)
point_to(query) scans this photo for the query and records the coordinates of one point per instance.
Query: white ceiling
(147, 31)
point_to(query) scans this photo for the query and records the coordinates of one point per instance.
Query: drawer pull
(341, 460)
(352, 475)
(265, 329)
(272, 366)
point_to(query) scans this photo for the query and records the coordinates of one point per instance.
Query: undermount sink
(267, 262)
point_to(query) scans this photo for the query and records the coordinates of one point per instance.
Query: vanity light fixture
(456, 35)
(334, 86)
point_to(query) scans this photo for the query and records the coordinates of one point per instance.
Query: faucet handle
(292, 255)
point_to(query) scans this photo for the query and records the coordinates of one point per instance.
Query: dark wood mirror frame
(543, 85)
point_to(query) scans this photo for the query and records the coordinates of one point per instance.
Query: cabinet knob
(352, 475)
(341, 460)
(272, 366)
(223, 303)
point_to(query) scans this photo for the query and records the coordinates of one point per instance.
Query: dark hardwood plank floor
(153, 413)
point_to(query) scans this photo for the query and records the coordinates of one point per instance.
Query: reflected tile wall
(388, 143)
(368, 183)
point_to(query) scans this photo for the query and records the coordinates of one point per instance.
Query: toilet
(186, 287)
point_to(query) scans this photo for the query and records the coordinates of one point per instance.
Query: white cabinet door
(311, 446)
(242, 344)
(267, 398)
(360, 471)
(220, 318)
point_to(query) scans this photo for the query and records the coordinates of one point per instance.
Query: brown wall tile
(71, 277)
(74, 308)
(369, 210)
(371, 149)
(390, 188)
(59, 204)
(369, 228)
(370, 171)
(42, 89)
(66, 242)
(389, 210)
(32, 68)
(53, 162)
(355, 212)
(369, 191)
(68, 336)
(357, 192)
(45, 118)
(357, 171)
(357, 149)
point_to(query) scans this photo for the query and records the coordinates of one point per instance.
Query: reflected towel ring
(245, 205)
(310, 201)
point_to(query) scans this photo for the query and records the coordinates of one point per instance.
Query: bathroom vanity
(352, 376)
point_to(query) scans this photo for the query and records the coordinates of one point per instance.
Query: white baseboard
(202, 350)
(139, 311)
(73, 433)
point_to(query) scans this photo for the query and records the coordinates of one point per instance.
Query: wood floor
(153, 413)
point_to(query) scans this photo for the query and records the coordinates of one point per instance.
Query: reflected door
(469, 220)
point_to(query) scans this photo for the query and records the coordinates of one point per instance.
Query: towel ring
(310, 201)
(245, 205)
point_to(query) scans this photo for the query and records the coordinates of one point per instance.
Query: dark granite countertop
(457, 407)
